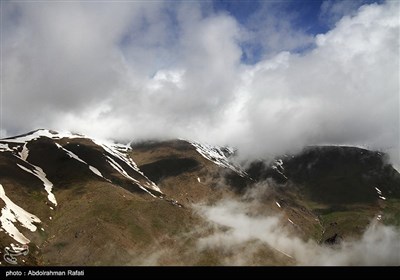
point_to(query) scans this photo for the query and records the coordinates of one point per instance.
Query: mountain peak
(35, 134)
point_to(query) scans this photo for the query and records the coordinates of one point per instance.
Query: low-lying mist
(240, 231)
(379, 244)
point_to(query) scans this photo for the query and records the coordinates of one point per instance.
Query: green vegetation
(391, 212)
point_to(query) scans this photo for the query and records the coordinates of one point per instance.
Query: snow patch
(277, 170)
(5, 148)
(11, 213)
(278, 167)
(198, 179)
(119, 151)
(378, 190)
(217, 155)
(48, 186)
(24, 153)
(42, 133)
(277, 203)
(382, 197)
(74, 156)
(279, 163)
(95, 171)
(120, 170)
(70, 154)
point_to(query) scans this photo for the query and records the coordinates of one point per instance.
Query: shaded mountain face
(345, 187)
(334, 174)
(69, 158)
(69, 199)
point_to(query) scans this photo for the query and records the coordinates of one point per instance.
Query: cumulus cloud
(142, 70)
(379, 245)
(345, 91)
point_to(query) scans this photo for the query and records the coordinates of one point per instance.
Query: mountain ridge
(121, 190)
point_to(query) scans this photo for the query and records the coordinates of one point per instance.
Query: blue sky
(308, 11)
(310, 17)
(304, 19)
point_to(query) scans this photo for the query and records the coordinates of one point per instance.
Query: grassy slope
(99, 223)
(106, 224)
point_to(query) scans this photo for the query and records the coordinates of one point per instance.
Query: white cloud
(345, 91)
(141, 69)
(333, 11)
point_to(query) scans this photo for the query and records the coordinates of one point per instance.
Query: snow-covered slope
(11, 214)
(119, 151)
(218, 155)
(109, 160)
(112, 152)
(277, 165)
(22, 139)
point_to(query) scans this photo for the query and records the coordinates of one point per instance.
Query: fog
(379, 245)
(245, 231)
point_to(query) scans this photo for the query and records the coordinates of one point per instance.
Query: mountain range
(67, 199)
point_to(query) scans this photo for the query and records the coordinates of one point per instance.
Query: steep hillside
(85, 201)
(344, 187)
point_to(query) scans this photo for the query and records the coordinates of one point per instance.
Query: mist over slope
(68, 199)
